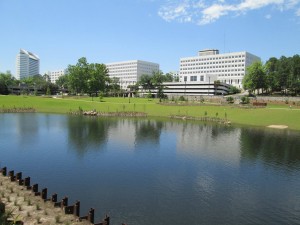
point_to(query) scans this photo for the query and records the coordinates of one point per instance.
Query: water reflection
(86, 133)
(148, 131)
(146, 171)
(271, 146)
(27, 127)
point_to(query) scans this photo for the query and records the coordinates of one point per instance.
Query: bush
(230, 100)
(245, 100)
(234, 90)
(181, 98)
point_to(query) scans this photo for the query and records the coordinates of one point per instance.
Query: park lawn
(272, 115)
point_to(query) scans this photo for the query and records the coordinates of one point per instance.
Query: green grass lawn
(272, 115)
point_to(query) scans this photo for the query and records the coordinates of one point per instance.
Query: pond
(147, 171)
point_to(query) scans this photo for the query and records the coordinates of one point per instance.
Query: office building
(129, 72)
(229, 68)
(27, 64)
(54, 75)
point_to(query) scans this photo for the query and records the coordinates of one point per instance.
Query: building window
(193, 78)
(201, 78)
(185, 78)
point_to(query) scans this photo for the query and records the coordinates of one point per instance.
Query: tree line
(37, 82)
(275, 76)
(84, 78)
(94, 79)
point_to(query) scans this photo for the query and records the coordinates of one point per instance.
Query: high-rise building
(229, 68)
(54, 75)
(27, 64)
(129, 72)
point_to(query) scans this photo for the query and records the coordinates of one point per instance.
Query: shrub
(245, 100)
(230, 100)
(181, 98)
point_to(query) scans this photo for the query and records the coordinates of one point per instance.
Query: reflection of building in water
(27, 127)
(130, 133)
(207, 141)
(123, 133)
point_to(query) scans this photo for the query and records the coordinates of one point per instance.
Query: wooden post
(11, 175)
(64, 202)
(27, 182)
(44, 193)
(77, 209)
(54, 198)
(91, 215)
(35, 188)
(4, 171)
(19, 176)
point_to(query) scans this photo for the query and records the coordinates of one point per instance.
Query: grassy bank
(271, 115)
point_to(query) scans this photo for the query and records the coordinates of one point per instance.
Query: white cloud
(214, 12)
(298, 12)
(203, 13)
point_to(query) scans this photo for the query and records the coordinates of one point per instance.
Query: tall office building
(129, 72)
(27, 63)
(229, 68)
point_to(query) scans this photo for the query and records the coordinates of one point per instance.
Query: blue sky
(162, 31)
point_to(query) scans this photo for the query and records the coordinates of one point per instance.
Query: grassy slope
(257, 117)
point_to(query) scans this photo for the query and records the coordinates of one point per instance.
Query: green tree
(114, 86)
(295, 74)
(79, 76)
(6, 80)
(168, 77)
(97, 79)
(284, 71)
(255, 78)
(146, 82)
(157, 80)
(271, 67)
(63, 81)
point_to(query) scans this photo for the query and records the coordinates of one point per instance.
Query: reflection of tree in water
(279, 147)
(148, 131)
(220, 129)
(87, 132)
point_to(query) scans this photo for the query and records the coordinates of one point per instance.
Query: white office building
(129, 72)
(54, 75)
(229, 68)
(27, 64)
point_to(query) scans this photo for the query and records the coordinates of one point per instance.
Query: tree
(157, 81)
(295, 74)
(97, 78)
(145, 82)
(255, 79)
(284, 73)
(62, 82)
(114, 86)
(6, 80)
(168, 77)
(271, 67)
(78, 76)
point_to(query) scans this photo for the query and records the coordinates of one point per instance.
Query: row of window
(216, 62)
(212, 67)
(212, 71)
(213, 58)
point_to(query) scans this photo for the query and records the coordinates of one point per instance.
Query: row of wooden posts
(63, 204)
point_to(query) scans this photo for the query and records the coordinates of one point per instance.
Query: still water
(147, 171)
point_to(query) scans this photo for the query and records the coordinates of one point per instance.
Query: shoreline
(273, 114)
